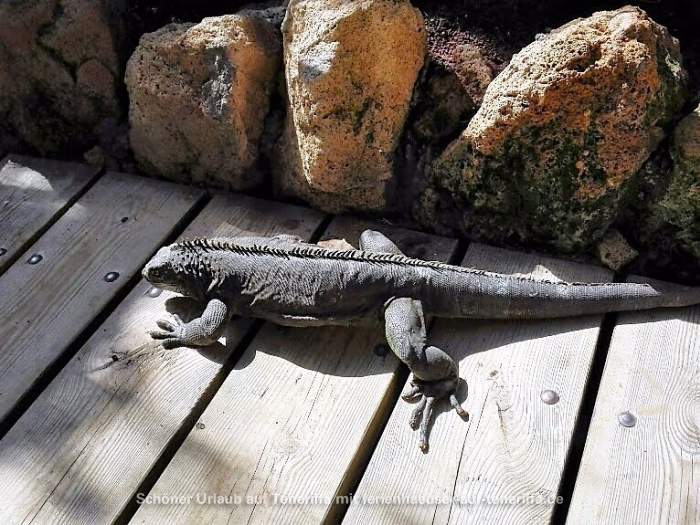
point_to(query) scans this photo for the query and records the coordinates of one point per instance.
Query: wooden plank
(514, 445)
(295, 418)
(648, 473)
(33, 192)
(114, 227)
(84, 446)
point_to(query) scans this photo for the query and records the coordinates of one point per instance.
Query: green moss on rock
(680, 206)
(553, 152)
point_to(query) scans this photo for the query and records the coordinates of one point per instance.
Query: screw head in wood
(35, 259)
(627, 419)
(154, 292)
(549, 397)
(111, 277)
(3, 251)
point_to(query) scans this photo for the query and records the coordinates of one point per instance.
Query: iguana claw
(427, 393)
(172, 332)
(201, 331)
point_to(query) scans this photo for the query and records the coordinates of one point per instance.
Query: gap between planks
(583, 421)
(650, 472)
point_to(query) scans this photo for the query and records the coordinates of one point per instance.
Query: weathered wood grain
(648, 473)
(114, 227)
(81, 450)
(294, 418)
(33, 193)
(514, 445)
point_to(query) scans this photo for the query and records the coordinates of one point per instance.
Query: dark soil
(146, 16)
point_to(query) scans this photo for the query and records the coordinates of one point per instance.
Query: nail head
(549, 397)
(154, 292)
(627, 419)
(111, 277)
(35, 259)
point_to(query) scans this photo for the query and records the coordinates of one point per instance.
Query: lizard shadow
(358, 351)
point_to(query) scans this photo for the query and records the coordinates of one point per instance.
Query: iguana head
(168, 269)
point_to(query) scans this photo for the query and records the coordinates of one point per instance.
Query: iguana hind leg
(435, 375)
(202, 331)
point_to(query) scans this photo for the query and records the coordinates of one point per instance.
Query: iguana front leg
(435, 373)
(202, 331)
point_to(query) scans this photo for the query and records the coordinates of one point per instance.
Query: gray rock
(199, 94)
(677, 214)
(614, 251)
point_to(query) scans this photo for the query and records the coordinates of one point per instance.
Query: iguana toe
(167, 325)
(417, 414)
(425, 424)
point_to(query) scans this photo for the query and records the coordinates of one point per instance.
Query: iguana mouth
(150, 273)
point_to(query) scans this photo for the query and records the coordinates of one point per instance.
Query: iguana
(290, 282)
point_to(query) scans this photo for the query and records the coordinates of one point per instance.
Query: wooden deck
(589, 420)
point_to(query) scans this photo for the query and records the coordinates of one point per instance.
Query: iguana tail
(498, 296)
(552, 300)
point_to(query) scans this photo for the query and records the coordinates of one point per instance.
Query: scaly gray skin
(290, 282)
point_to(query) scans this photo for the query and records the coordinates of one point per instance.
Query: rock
(473, 60)
(199, 94)
(95, 157)
(350, 72)
(561, 133)
(679, 209)
(458, 73)
(614, 251)
(443, 108)
(61, 64)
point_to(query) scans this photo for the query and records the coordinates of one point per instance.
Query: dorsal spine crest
(311, 252)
